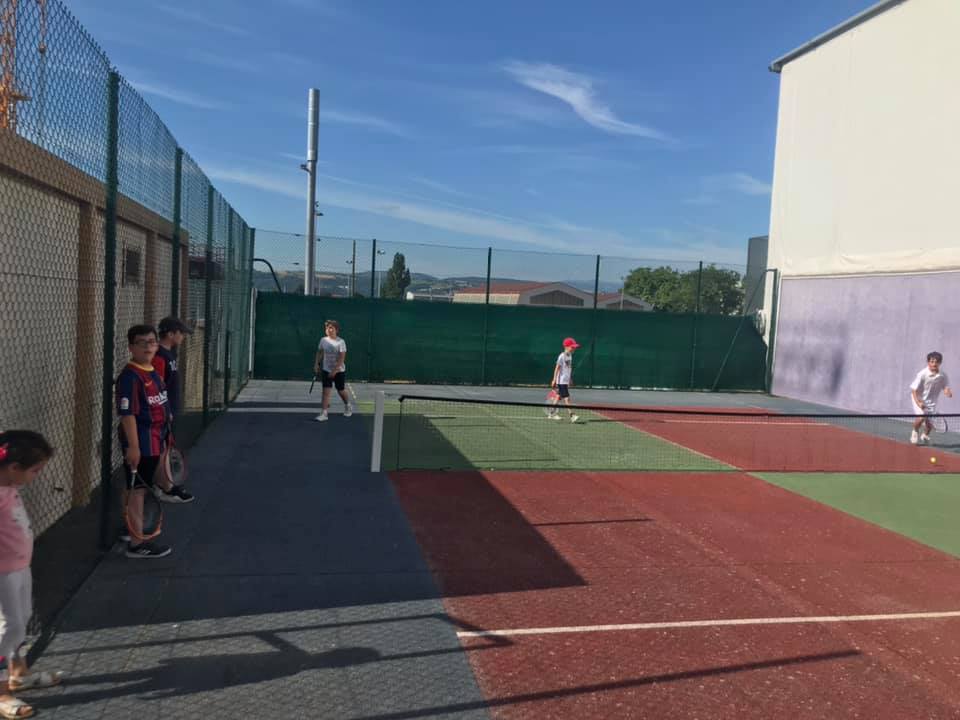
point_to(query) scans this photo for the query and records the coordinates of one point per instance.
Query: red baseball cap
(570, 342)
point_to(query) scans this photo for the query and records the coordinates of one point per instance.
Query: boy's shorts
(927, 409)
(339, 380)
(563, 391)
(146, 470)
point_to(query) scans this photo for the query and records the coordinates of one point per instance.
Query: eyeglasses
(146, 343)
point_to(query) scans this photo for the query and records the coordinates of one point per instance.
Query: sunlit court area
(369, 362)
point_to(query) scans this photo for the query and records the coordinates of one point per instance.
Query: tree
(397, 280)
(670, 290)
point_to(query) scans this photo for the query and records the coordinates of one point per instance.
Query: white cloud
(203, 21)
(371, 122)
(224, 62)
(440, 187)
(492, 109)
(178, 96)
(553, 234)
(577, 91)
(737, 182)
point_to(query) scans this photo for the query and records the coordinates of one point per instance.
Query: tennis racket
(172, 469)
(939, 423)
(550, 406)
(312, 383)
(142, 512)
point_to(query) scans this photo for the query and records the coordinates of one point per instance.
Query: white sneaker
(574, 418)
(924, 439)
(347, 411)
(322, 417)
(554, 416)
(914, 437)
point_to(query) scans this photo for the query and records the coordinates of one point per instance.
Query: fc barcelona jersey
(142, 394)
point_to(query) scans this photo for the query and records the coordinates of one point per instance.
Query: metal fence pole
(249, 301)
(772, 335)
(207, 314)
(693, 339)
(373, 270)
(593, 335)
(228, 290)
(177, 221)
(486, 320)
(109, 309)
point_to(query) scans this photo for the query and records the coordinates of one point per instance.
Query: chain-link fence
(490, 316)
(355, 267)
(104, 223)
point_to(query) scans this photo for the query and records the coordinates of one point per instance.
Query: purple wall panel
(856, 342)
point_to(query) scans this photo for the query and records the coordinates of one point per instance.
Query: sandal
(14, 709)
(34, 681)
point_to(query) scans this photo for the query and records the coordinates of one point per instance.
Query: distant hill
(338, 284)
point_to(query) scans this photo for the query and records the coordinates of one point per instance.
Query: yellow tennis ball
(933, 460)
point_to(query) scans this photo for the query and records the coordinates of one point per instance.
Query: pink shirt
(16, 535)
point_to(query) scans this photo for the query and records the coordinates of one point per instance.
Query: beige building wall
(868, 146)
(51, 312)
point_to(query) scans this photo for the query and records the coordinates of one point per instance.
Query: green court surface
(501, 437)
(923, 507)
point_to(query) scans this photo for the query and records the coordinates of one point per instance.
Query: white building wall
(868, 146)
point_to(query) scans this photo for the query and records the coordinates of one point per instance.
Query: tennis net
(436, 433)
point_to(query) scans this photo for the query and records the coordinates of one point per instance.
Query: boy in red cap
(563, 378)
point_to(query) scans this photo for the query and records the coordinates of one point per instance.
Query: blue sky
(640, 129)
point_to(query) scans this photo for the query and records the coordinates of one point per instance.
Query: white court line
(711, 623)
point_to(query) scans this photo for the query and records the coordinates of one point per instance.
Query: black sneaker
(147, 551)
(176, 495)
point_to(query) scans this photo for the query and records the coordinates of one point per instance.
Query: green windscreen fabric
(475, 344)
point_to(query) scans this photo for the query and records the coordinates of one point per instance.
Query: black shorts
(146, 470)
(563, 391)
(340, 380)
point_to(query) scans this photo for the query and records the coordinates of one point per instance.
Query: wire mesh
(57, 102)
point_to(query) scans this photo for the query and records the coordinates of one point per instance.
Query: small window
(131, 267)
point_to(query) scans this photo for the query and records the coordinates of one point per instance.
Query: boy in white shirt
(563, 378)
(329, 364)
(925, 389)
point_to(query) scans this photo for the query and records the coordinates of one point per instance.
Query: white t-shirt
(929, 385)
(331, 350)
(566, 369)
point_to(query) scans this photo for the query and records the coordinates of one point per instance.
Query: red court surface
(542, 551)
(791, 443)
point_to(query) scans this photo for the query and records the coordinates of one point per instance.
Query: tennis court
(687, 562)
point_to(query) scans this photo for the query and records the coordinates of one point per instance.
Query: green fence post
(226, 369)
(593, 335)
(693, 339)
(486, 320)
(772, 335)
(373, 270)
(227, 292)
(177, 222)
(371, 309)
(251, 337)
(207, 319)
(109, 309)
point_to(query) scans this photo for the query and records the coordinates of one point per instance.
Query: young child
(563, 379)
(925, 389)
(144, 421)
(329, 363)
(23, 455)
(173, 332)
